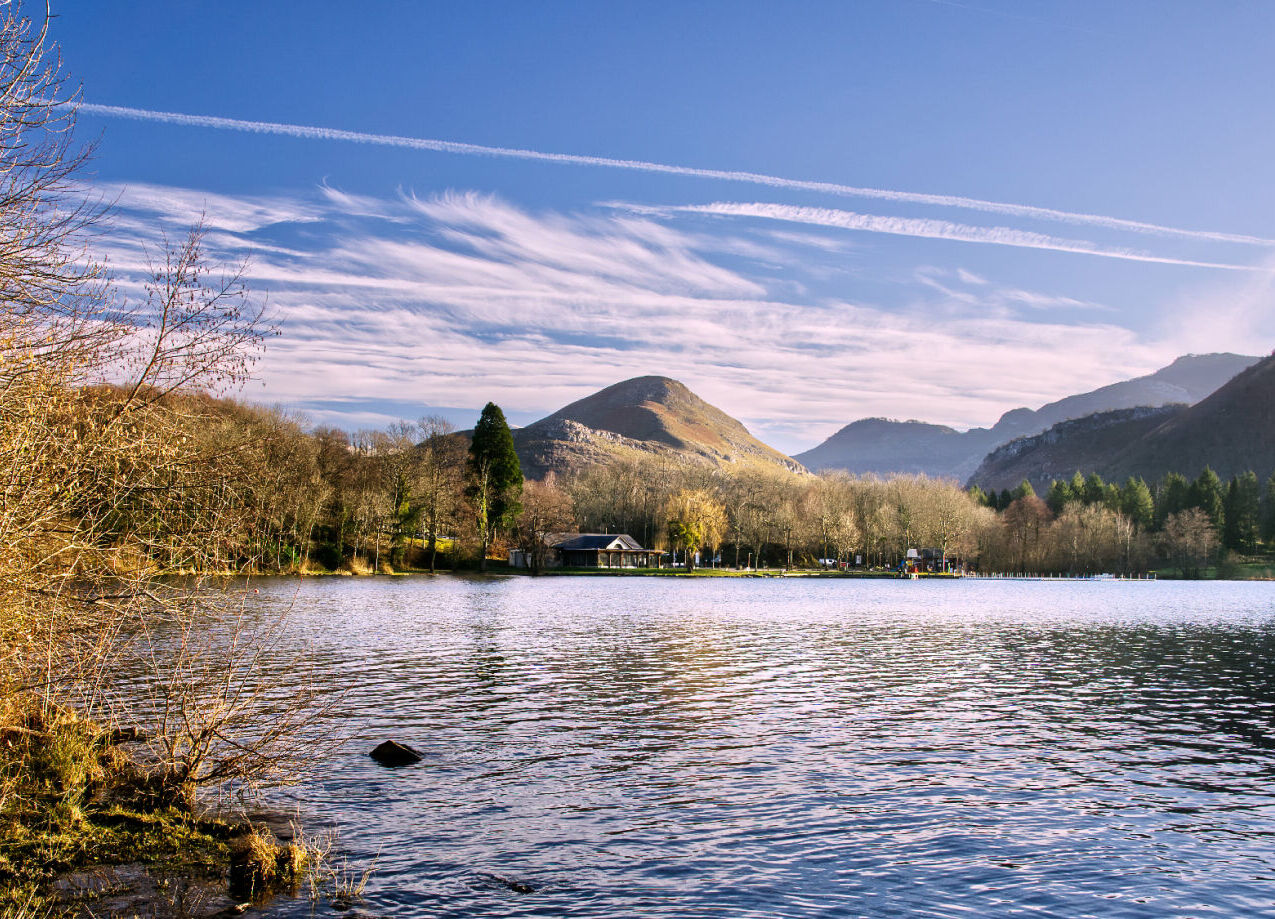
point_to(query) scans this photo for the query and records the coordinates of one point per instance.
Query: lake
(792, 747)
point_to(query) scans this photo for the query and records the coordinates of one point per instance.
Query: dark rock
(125, 735)
(510, 883)
(393, 753)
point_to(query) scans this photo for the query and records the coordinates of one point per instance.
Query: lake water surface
(740, 747)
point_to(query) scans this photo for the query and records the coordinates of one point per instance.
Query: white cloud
(1233, 314)
(926, 228)
(484, 300)
(182, 207)
(994, 296)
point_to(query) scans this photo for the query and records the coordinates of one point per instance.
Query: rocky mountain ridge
(650, 415)
(1232, 430)
(884, 446)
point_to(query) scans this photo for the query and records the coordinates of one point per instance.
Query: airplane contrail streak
(310, 132)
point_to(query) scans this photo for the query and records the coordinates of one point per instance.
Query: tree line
(422, 496)
(1187, 523)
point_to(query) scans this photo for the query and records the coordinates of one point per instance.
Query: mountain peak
(636, 391)
(876, 445)
(647, 413)
(1232, 430)
(650, 408)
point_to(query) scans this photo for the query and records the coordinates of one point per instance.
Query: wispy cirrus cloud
(457, 298)
(924, 228)
(961, 286)
(182, 207)
(1024, 211)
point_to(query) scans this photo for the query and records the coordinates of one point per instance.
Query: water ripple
(644, 747)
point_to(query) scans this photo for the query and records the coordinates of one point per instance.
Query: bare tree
(546, 509)
(1024, 523)
(221, 717)
(439, 480)
(202, 328)
(1189, 540)
(54, 303)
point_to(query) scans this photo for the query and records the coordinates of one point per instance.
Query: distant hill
(1080, 444)
(1232, 430)
(883, 446)
(645, 415)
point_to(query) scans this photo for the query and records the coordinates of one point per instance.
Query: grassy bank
(76, 798)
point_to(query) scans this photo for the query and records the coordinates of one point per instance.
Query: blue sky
(1086, 192)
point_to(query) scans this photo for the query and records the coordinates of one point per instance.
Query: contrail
(925, 228)
(310, 132)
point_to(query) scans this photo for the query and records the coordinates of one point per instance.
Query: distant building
(591, 550)
(932, 560)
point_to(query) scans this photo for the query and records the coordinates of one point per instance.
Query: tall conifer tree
(1059, 496)
(495, 477)
(1171, 497)
(1209, 495)
(1268, 511)
(1024, 490)
(1136, 502)
(1095, 490)
(1243, 500)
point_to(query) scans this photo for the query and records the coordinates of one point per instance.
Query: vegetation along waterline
(118, 468)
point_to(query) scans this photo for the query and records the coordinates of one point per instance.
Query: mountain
(1232, 430)
(1187, 380)
(645, 415)
(883, 446)
(1082, 444)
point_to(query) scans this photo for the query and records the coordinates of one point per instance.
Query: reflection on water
(650, 747)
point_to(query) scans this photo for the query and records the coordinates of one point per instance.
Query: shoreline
(803, 573)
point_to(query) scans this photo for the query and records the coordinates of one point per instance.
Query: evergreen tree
(1004, 499)
(1209, 495)
(981, 498)
(1078, 486)
(1171, 498)
(1242, 513)
(1268, 511)
(495, 477)
(1059, 496)
(1024, 490)
(1095, 489)
(1136, 502)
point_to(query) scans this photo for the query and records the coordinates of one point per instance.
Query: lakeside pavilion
(591, 550)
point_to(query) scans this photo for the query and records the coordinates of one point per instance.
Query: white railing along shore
(1016, 576)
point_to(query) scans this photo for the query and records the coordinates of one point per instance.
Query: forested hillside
(885, 446)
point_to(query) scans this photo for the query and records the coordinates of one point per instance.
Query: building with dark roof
(591, 550)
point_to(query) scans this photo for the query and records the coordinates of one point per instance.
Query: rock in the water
(393, 753)
(512, 883)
